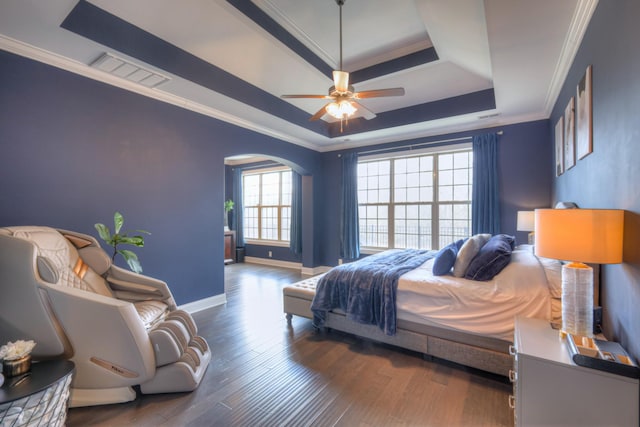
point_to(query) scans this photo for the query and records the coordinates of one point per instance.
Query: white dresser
(549, 389)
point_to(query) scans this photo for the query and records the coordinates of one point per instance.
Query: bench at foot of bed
(485, 353)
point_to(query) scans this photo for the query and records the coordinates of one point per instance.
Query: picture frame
(569, 136)
(584, 116)
(560, 146)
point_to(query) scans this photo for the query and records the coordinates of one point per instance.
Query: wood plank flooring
(265, 373)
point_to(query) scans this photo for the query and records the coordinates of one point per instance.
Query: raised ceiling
(464, 64)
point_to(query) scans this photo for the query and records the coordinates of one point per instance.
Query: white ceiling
(522, 49)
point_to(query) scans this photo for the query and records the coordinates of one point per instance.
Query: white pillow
(553, 271)
(468, 252)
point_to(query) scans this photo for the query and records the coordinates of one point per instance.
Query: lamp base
(531, 238)
(577, 299)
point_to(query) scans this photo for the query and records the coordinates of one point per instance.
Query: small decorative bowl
(15, 367)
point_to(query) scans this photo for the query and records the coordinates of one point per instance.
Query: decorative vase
(15, 367)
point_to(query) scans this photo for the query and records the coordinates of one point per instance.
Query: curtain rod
(423, 144)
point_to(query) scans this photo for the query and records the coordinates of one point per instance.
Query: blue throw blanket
(366, 289)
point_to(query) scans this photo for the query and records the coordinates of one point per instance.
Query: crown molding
(37, 54)
(579, 23)
(289, 25)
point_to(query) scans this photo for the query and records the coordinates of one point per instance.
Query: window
(267, 204)
(419, 201)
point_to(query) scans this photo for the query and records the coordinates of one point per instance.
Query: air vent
(127, 70)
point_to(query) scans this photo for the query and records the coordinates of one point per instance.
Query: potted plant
(228, 207)
(118, 238)
(16, 358)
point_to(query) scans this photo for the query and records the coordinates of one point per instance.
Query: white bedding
(485, 308)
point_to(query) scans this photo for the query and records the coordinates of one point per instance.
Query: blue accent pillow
(445, 258)
(491, 259)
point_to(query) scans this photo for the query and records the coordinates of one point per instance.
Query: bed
(466, 321)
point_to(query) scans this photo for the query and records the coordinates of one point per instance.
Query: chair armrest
(111, 347)
(130, 286)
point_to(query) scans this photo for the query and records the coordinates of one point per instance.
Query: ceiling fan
(343, 96)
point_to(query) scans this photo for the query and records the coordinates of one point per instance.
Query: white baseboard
(195, 306)
(274, 262)
(307, 271)
(313, 271)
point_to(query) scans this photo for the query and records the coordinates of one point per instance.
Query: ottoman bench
(297, 297)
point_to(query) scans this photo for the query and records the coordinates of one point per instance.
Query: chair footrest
(181, 376)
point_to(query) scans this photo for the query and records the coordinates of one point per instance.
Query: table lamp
(583, 236)
(526, 222)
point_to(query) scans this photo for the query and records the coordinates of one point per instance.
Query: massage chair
(121, 329)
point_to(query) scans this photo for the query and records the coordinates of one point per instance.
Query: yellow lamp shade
(585, 235)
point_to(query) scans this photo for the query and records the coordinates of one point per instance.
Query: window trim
(435, 203)
(262, 171)
(264, 242)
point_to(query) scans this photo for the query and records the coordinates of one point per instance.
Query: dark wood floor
(266, 373)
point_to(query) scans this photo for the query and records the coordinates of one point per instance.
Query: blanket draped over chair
(366, 289)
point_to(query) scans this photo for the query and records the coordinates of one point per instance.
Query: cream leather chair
(121, 329)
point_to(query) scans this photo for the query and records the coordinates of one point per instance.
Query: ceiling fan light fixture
(341, 110)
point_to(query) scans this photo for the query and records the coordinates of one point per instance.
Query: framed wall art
(584, 116)
(560, 146)
(569, 136)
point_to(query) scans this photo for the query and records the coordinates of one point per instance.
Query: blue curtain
(238, 209)
(485, 205)
(349, 228)
(295, 239)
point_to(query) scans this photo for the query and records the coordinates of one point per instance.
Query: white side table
(550, 389)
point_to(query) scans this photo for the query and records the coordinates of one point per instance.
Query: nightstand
(549, 389)
(229, 246)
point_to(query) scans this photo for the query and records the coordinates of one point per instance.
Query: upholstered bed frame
(485, 353)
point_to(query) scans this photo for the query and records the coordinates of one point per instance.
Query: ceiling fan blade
(364, 111)
(306, 96)
(376, 93)
(341, 81)
(321, 112)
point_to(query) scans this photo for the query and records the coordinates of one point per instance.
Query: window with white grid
(420, 201)
(267, 204)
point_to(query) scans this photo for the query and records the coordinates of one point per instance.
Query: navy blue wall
(609, 177)
(75, 150)
(524, 156)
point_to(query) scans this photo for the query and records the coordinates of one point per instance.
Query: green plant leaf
(118, 221)
(132, 260)
(132, 240)
(118, 238)
(104, 233)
